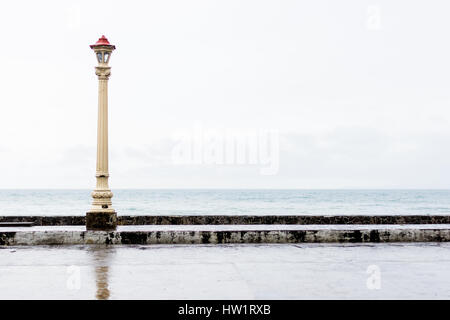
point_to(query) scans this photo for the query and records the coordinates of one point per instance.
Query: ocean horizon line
(256, 189)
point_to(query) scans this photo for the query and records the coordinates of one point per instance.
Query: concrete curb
(324, 235)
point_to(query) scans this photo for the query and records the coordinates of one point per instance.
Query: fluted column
(102, 195)
(102, 215)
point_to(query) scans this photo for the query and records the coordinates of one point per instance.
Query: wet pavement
(274, 271)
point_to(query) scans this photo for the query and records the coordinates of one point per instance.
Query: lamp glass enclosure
(103, 56)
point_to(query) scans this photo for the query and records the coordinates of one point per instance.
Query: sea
(230, 202)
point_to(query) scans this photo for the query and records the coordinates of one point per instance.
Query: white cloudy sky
(358, 91)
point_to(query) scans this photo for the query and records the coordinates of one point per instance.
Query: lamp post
(102, 216)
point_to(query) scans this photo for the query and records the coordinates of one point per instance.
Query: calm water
(229, 202)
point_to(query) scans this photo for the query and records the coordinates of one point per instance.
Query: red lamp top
(102, 42)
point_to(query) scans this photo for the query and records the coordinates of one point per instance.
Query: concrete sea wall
(237, 219)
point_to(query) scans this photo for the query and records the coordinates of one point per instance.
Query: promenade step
(223, 234)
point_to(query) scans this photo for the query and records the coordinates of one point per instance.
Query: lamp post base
(101, 220)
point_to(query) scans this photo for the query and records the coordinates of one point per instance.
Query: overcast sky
(356, 93)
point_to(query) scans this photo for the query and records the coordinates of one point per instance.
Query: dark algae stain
(110, 237)
(374, 236)
(220, 237)
(134, 237)
(355, 236)
(205, 237)
(6, 238)
(223, 236)
(299, 235)
(365, 237)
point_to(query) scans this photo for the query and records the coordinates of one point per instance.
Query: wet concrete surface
(271, 271)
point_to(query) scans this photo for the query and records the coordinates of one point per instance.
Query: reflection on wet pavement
(102, 257)
(102, 283)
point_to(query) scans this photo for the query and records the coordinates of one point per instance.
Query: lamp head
(103, 50)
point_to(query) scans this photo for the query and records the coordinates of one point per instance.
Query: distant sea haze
(230, 202)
